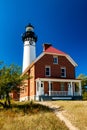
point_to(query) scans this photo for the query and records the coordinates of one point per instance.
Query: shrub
(85, 96)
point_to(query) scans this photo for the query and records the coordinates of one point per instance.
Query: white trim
(47, 66)
(55, 56)
(64, 72)
(66, 55)
(58, 80)
(71, 60)
(43, 53)
(49, 88)
(37, 90)
(70, 82)
(59, 93)
(71, 88)
(39, 57)
(27, 98)
(42, 88)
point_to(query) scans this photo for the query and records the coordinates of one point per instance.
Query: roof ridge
(51, 49)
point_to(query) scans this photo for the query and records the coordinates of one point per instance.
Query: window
(55, 59)
(47, 71)
(63, 72)
(41, 84)
(62, 86)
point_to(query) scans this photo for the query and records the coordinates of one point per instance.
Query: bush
(85, 96)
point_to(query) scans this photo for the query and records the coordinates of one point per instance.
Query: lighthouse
(29, 51)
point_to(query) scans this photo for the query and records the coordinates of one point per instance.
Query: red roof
(54, 50)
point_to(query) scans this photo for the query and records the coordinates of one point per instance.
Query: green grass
(29, 116)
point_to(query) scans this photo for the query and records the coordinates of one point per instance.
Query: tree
(83, 84)
(83, 79)
(10, 80)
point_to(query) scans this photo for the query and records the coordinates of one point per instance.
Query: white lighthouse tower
(29, 53)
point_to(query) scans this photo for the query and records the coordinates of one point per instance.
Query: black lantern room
(29, 35)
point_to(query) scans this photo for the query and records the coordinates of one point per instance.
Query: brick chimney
(46, 46)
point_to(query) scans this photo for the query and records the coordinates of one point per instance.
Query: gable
(55, 69)
(51, 51)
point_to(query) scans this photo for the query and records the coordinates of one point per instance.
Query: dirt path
(57, 110)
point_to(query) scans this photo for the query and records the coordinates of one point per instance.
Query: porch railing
(76, 93)
(59, 93)
(63, 93)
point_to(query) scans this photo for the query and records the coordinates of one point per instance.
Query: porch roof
(58, 80)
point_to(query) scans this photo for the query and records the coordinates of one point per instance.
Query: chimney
(46, 46)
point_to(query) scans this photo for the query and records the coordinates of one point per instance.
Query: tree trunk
(7, 102)
(2, 104)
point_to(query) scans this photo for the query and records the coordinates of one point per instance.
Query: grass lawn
(75, 111)
(29, 116)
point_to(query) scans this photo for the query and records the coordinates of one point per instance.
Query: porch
(63, 93)
(57, 89)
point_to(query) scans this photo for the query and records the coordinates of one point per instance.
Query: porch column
(80, 89)
(49, 88)
(39, 87)
(71, 89)
(74, 88)
(37, 90)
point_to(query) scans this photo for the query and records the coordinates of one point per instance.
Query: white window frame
(54, 60)
(49, 71)
(63, 68)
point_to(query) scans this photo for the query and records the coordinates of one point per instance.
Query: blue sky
(63, 23)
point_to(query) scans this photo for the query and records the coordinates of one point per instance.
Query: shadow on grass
(28, 108)
(61, 108)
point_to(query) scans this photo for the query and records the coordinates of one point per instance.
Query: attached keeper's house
(52, 73)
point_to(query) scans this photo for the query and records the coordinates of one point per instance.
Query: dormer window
(55, 59)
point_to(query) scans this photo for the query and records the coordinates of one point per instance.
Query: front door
(39, 89)
(42, 89)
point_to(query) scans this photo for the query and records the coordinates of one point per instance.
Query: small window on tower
(55, 59)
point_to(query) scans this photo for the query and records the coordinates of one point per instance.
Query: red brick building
(52, 77)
